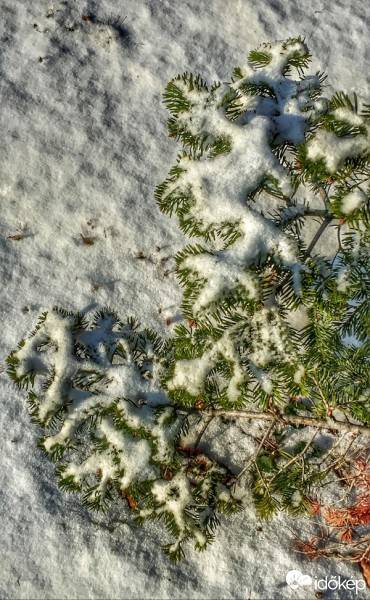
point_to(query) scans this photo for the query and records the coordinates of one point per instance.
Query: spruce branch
(253, 458)
(116, 402)
(294, 458)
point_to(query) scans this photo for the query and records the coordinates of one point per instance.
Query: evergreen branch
(312, 212)
(240, 285)
(337, 462)
(294, 458)
(252, 459)
(328, 218)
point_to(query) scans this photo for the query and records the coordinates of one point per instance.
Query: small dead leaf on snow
(131, 502)
(89, 241)
(17, 237)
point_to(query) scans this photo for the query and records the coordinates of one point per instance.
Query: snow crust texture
(82, 149)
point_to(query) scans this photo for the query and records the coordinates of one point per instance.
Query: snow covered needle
(112, 431)
(116, 402)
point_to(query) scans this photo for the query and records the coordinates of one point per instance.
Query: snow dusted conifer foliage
(251, 268)
(117, 403)
(112, 431)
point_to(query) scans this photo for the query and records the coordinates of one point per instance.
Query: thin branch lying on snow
(330, 424)
(253, 458)
(202, 432)
(295, 458)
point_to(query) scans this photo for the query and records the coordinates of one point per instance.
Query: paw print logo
(296, 579)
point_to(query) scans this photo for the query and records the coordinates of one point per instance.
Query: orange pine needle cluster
(341, 521)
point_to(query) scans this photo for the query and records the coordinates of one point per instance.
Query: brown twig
(330, 424)
(202, 431)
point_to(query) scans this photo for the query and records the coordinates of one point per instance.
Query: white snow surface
(83, 145)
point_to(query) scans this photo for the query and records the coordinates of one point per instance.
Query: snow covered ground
(83, 145)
